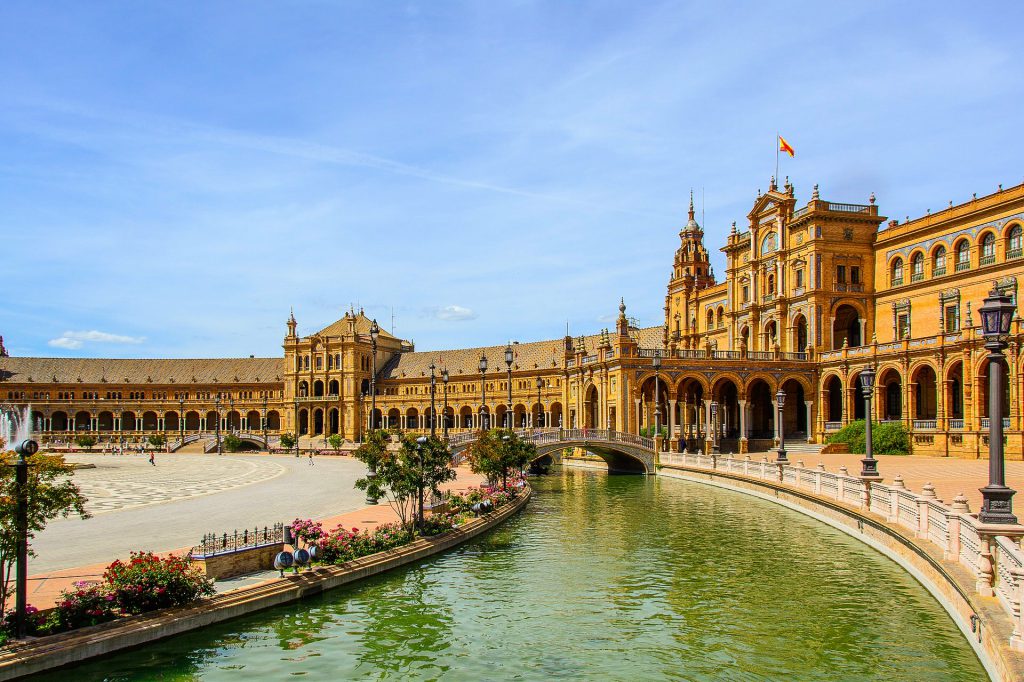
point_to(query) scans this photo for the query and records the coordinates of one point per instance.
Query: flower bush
(309, 531)
(35, 623)
(86, 604)
(147, 582)
(344, 544)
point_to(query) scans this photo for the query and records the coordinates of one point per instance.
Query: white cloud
(454, 313)
(65, 342)
(74, 340)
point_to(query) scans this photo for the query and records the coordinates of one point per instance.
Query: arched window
(711, 319)
(1013, 243)
(897, 272)
(917, 267)
(769, 244)
(963, 256)
(939, 261)
(771, 284)
(988, 249)
(721, 317)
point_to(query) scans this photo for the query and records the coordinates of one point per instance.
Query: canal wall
(36, 655)
(982, 620)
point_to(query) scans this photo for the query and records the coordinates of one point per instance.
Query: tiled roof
(537, 355)
(179, 371)
(340, 327)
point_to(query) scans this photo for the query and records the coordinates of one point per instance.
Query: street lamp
(540, 407)
(374, 333)
(266, 441)
(181, 419)
(997, 498)
(714, 427)
(509, 418)
(483, 391)
(433, 392)
(869, 468)
(444, 417)
(656, 363)
(216, 423)
(24, 449)
(780, 399)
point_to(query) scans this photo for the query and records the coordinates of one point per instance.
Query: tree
(85, 441)
(431, 464)
(499, 451)
(335, 441)
(158, 440)
(288, 441)
(392, 479)
(51, 493)
(232, 443)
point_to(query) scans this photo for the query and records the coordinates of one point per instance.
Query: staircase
(796, 449)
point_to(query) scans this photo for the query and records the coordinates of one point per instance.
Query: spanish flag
(784, 146)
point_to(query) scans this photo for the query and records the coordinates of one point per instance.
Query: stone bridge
(623, 452)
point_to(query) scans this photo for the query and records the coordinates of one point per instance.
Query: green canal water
(599, 578)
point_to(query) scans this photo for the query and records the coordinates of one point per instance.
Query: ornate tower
(691, 272)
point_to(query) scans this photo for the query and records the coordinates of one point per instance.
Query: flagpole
(777, 145)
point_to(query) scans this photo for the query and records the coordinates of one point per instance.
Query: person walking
(152, 457)
(310, 457)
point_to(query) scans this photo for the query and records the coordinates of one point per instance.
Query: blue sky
(174, 176)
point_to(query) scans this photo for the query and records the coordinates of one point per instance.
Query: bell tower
(691, 272)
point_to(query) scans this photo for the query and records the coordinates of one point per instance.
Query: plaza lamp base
(997, 505)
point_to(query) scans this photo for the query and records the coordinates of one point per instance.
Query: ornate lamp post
(997, 498)
(266, 442)
(444, 417)
(181, 418)
(24, 449)
(714, 427)
(656, 363)
(540, 407)
(509, 417)
(216, 423)
(433, 392)
(231, 408)
(869, 468)
(780, 399)
(374, 333)
(483, 391)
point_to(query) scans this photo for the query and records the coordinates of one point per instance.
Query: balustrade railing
(925, 424)
(986, 423)
(956, 424)
(833, 426)
(213, 544)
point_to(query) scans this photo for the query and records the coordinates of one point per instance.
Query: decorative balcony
(768, 298)
(987, 260)
(925, 424)
(1014, 254)
(917, 277)
(897, 281)
(986, 423)
(939, 272)
(956, 424)
(963, 267)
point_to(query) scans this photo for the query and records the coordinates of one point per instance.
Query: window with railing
(963, 256)
(896, 274)
(917, 267)
(988, 249)
(1014, 242)
(939, 261)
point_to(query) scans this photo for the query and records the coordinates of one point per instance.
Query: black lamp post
(444, 417)
(714, 427)
(374, 333)
(869, 468)
(433, 392)
(656, 363)
(483, 391)
(509, 417)
(231, 408)
(216, 424)
(181, 419)
(996, 317)
(24, 450)
(266, 441)
(780, 399)
(540, 407)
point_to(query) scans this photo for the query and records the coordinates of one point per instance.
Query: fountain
(15, 424)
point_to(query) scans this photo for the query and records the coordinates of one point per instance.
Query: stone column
(671, 419)
(637, 429)
(775, 420)
(743, 425)
(810, 424)
(708, 434)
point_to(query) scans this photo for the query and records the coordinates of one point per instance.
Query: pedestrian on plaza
(152, 457)
(311, 457)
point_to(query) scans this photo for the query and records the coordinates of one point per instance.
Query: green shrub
(648, 431)
(232, 443)
(157, 440)
(85, 441)
(887, 438)
(288, 441)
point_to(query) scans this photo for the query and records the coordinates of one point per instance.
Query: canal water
(599, 578)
